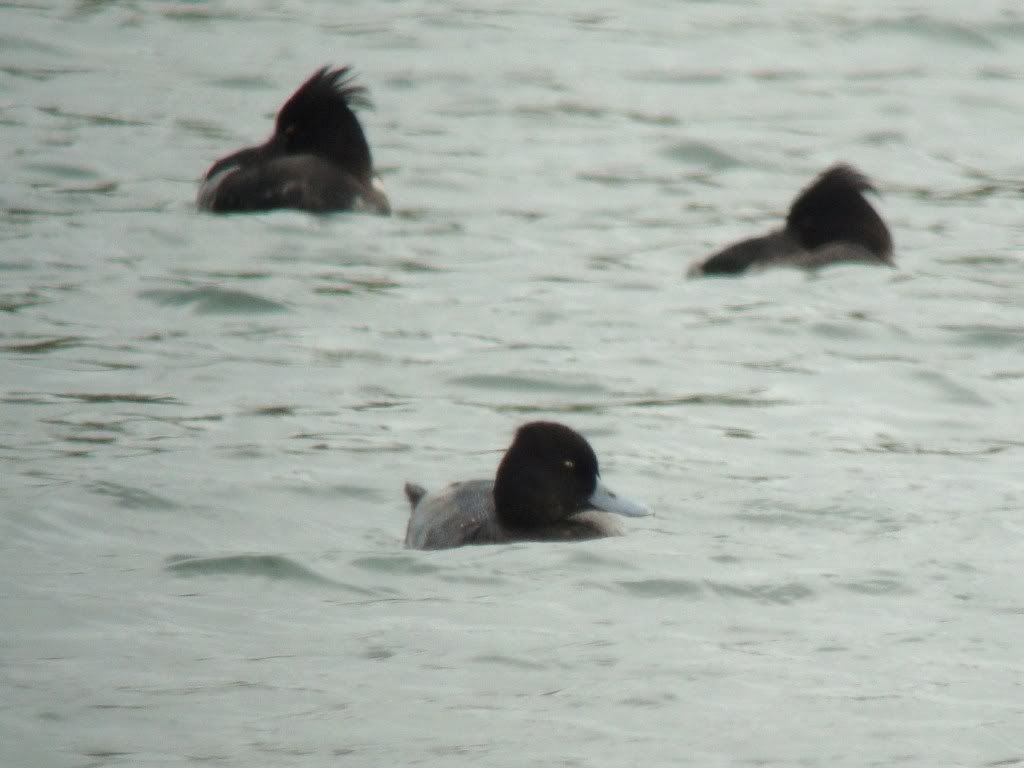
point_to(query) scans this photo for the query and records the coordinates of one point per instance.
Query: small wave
(931, 29)
(662, 588)
(128, 497)
(782, 594)
(403, 564)
(986, 335)
(508, 661)
(700, 154)
(273, 567)
(213, 301)
(524, 384)
(43, 345)
(119, 397)
(879, 585)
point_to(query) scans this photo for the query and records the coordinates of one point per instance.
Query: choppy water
(207, 421)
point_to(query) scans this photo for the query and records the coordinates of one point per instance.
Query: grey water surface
(207, 422)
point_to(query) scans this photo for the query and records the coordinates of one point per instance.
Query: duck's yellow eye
(569, 464)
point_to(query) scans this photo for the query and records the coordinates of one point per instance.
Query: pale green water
(207, 422)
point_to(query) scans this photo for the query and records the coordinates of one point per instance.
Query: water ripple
(525, 384)
(215, 300)
(128, 497)
(782, 594)
(273, 567)
(43, 345)
(662, 588)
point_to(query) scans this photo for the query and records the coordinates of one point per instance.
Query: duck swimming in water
(830, 222)
(547, 488)
(317, 159)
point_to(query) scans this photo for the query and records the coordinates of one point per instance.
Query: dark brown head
(317, 159)
(833, 209)
(318, 120)
(548, 474)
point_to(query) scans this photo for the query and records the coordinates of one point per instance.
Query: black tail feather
(414, 493)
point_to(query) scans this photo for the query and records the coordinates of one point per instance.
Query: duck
(316, 160)
(547, 488)
(829, 222)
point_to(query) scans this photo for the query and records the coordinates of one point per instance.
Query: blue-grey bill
(607, 501)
